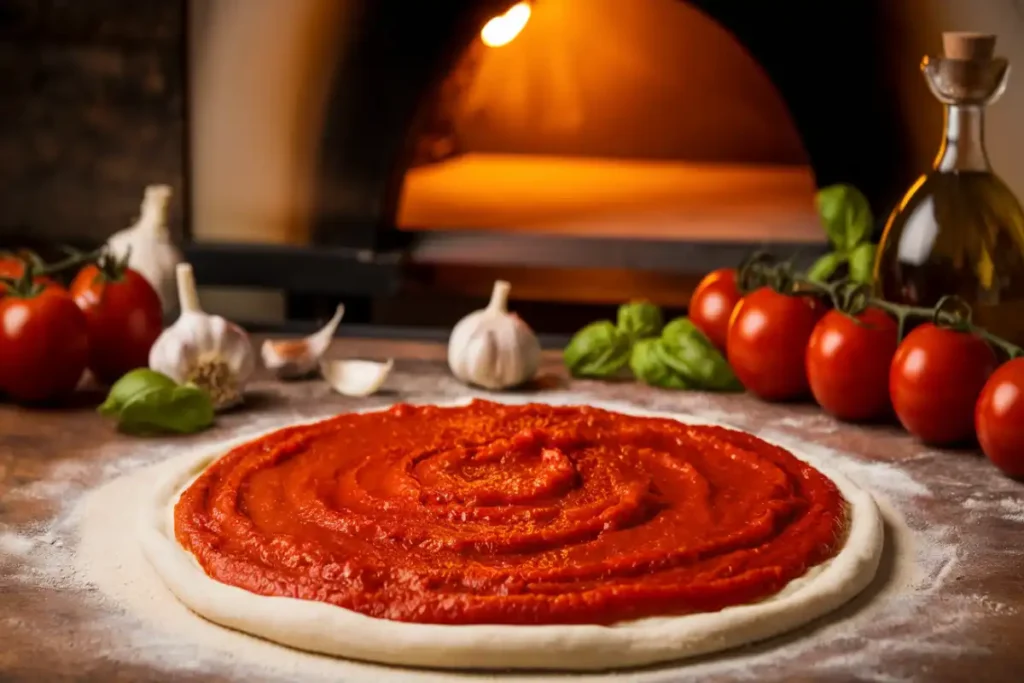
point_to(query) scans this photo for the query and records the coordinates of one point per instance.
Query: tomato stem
(112, 267)
(26, 286)
(751, 273)
(852, 298)
(74, 259)
(25, 256)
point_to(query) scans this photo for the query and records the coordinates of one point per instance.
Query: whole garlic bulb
(153, 254)
(206, 350)
(493, 348)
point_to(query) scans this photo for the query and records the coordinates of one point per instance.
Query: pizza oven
(590, 150)
(404, 155)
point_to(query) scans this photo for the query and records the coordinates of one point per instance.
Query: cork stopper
(968, 72)
(965, 45)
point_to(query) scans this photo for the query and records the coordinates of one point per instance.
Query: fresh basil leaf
(862, 263)
(689, 352)
(144, 400)
(598, 350)
(181, 409)
(647, 365)
(826, 266)
(132, 384)
(846, 215)
(640, 319)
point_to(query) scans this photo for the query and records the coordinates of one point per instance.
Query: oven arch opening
(606, 119)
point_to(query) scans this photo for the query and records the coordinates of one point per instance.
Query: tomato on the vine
(767, 342)
(44, 344)
(13, 268)
(934, 382)
(712, 304)
(999, 418)
(848, 363)
(124, 317)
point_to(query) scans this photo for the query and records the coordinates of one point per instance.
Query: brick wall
(92, 103)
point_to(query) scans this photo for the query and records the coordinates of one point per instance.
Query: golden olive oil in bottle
(959, 229)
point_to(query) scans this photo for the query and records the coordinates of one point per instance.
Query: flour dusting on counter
(1009, 509)
(15, 546)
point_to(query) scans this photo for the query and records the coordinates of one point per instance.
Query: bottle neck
(963, 143)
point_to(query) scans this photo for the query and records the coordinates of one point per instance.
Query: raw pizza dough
(327, 629)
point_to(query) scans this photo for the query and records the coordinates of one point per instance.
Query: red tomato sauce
(530, 514)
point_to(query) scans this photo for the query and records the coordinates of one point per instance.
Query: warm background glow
(502, 30)
(257, 114)
(650, 79)
(644, 78)
(613, 198)
(637, 83)
(604, 117)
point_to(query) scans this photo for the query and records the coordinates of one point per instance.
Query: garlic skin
(492, 348)
(153, 254)
(355, 377)
(297, 358)
(206, 350)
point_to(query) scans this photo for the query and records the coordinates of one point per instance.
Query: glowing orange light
(503, 29)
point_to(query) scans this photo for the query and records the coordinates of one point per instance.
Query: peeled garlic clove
(295, 358)
(355, 377)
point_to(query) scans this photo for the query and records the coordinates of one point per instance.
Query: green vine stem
(25, 256)
(853, 298)
(24, 287)
(111, 266)
(74, 258)
(754, 270)
(28, 285)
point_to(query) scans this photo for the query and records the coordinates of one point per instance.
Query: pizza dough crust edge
(327, 629)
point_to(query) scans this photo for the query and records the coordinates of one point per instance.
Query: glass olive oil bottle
(959, 229)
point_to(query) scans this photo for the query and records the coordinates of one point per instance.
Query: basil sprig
(146, 401)
(602, 349)
(599, 350)
(676, 356)
(686, 350)
(648, 365)
(640, 319)
(846, 216)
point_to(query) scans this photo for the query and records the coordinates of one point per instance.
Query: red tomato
(125, 318)
(14, 268)
(848, 364)
(999, 418)
(11, 267)
(712, 304)
(767, 342)
(934, 382)
(44, 345)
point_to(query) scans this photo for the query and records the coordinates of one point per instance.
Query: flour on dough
(327, 629)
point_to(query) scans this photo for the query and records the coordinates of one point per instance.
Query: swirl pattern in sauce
(492, 513)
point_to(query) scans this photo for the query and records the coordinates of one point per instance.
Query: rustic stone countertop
(946, 605)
